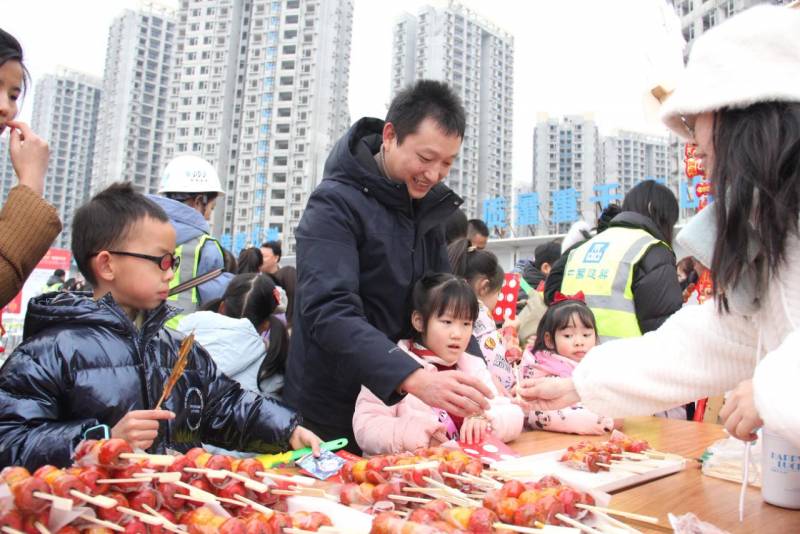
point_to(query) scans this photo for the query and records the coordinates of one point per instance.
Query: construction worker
(190, 187)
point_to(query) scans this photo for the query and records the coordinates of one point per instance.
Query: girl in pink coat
(483, 273)
(444, 311)
(565, 334)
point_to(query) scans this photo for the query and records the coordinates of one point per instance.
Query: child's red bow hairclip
(560, 297)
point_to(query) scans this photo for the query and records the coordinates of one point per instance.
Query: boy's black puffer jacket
(83, 362)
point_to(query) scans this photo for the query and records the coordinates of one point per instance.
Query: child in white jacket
(444, 311)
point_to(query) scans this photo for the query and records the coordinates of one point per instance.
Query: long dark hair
(11, 50)
(250, 260)
(440, 293)
(653, 200)
(252, 296)
(471, 264)
(558, 316)
(755, 177)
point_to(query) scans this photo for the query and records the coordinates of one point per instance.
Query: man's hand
(473, 430)
(548, 393)
(29, 156)
(140, 427)
(303, 437)
(739, 413)
(452, 391)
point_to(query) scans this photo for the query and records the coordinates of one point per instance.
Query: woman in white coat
(739, 101)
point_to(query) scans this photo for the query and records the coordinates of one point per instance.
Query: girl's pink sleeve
(380, 429)
(573, 420)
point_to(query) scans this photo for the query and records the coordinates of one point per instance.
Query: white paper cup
(780, 471)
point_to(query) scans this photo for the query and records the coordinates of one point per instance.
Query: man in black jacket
(370, 230)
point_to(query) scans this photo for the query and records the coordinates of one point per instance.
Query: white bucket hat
(751, 57)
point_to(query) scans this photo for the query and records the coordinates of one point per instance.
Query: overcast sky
(571, 56)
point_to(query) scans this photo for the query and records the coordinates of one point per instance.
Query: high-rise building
(476, 58)
(8, 179)
(139, 56)
(259, 89)
(65, 108)
(698, 16)
(567, 154)
(630, 157)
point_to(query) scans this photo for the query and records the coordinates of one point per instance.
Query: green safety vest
(189, 253)
(603, 269)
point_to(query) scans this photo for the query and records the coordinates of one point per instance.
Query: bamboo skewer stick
(144, 518)
(211, 474)
(9, 530)
(406, 498)
(249, 483)
(193, 498)
(171, 476)
(102, 523)
(58, 502)
(577, 524)
(622, 467)
(256, 506)
(610, 511)
(297, 479)
(540, 528)
(451, 491)
(474, 481)
(41, 528)
(405, 467)
(166, 523)
(98, 500)
(155, 459)
(616, 522)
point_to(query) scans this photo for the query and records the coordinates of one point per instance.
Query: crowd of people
(384, 333)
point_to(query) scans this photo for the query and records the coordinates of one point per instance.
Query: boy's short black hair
(275, 246)
(546, 253)
(424, 99)
(477, 226)
(105, 220)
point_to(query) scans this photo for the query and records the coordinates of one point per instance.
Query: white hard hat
(189, 174)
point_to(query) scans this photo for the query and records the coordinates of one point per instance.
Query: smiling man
(370, 230)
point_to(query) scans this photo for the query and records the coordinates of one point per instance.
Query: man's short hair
(274, 245)
(477, 226)
(59, 273)
(424, 99)
(105, 221)
(546, 253)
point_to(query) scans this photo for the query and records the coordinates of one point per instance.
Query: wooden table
(711, 499)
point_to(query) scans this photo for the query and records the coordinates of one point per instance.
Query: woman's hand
(547, 393)
(739, 414)
(303, 437)
(474, 429)
(140, 427)
(29, 156)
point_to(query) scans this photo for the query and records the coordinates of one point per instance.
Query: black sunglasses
(166, 262)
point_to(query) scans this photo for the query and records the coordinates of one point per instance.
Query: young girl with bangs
(565, 334)
(445, 309)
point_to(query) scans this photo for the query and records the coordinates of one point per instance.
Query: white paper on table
(538, 465)
(344, 518)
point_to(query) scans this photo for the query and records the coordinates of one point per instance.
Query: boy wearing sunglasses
(103, 360)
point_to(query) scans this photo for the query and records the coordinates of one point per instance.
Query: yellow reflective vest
(603, 269)
(189, 253)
